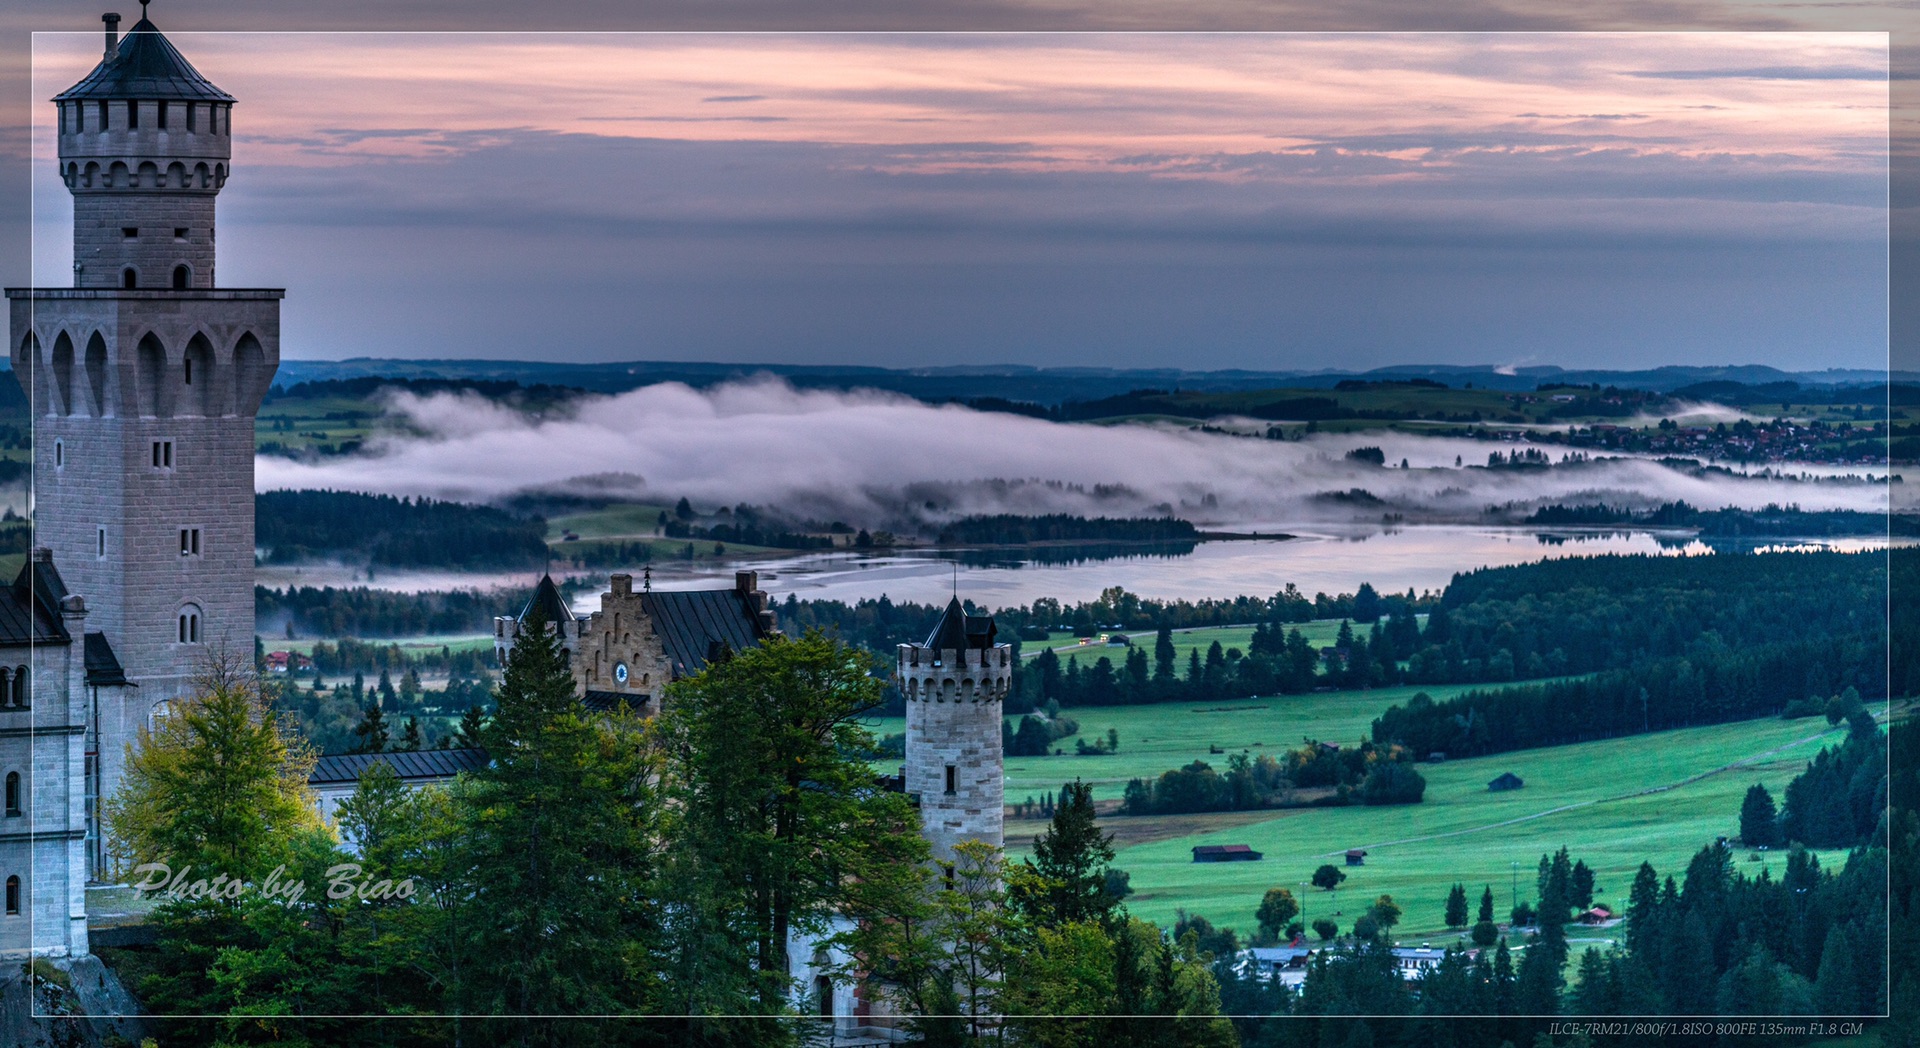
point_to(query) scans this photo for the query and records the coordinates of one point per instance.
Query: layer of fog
(885, 461)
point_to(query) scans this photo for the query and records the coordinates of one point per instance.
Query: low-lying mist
(886, 461)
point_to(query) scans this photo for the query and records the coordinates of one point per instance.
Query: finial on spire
(646, 579)
(143, 9)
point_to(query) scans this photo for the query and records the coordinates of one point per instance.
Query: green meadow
(1614, 803)
(1156, 738)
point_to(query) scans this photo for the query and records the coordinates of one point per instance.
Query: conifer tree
(1069, 866)
(557, 833)
(1457, 906)
(370, 735)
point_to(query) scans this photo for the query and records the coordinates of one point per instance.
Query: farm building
(1506, 781)
(1356, 857)
(1225, 853)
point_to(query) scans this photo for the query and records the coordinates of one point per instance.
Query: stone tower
(144, 378)
(955, 685)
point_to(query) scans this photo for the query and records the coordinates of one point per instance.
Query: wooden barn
(1225, 853)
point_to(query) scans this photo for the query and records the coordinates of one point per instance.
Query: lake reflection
(1316, 560)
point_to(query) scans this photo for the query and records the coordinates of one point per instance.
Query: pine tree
(410, 738)
(557, 831)
(1457, 907)
(1836, 989)
(1759, 821)
(1068, 867)
(370, 735)
(471, 722)
(1163, 656)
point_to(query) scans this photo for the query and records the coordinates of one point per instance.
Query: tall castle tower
(955, 685)
(144, 378)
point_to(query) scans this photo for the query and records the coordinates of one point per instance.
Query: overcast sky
(1231, 200)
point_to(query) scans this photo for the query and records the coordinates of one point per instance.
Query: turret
(144, 149)
(955, 685)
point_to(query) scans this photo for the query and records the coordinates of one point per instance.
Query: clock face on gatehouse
(620, 672)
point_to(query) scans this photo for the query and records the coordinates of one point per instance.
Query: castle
(143, 380)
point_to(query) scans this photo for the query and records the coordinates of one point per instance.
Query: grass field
(1159, 737)
(1590, 797)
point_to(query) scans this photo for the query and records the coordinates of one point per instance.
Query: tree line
(1318, 774)
(386, 531)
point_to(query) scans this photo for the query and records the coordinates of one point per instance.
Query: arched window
(190, 625)
(13, 890)
(161, 711)
(180, 275)
(13, 794)
(128, 279)
(22, 695)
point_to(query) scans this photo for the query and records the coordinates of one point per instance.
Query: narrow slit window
(190, 115)
(953, 778)
(59, 454)
(133, 114)
(13, 882)
(177, 281)
(101, 535)
(162, 122)
(103, 114)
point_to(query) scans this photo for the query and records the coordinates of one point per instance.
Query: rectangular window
(101, 534)
(59, 454)
(179, 232)
(952, 778)
(189, 542)
(130, 232)
(103, 114)
(133, 114)
(163, 115)
(163, 454)
(190, 109)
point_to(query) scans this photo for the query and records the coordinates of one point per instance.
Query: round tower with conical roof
(955, 685)
(144, 148)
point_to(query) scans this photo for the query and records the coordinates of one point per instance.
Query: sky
(1201, 200)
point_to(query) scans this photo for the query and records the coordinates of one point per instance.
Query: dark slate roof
(957, 629)
(696, 625)
(103, 666)
(408, 764)
(146, 65)
(30, 608)
(608, 701)
(546, 597)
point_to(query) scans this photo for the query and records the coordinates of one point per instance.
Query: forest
(386, 531)
(1772, 520)
(1007, 529)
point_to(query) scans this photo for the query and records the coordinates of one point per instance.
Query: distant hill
(1044, 386)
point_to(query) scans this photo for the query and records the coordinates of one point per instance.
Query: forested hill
(388, 531)
(1008, 529)
(1674, 640)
